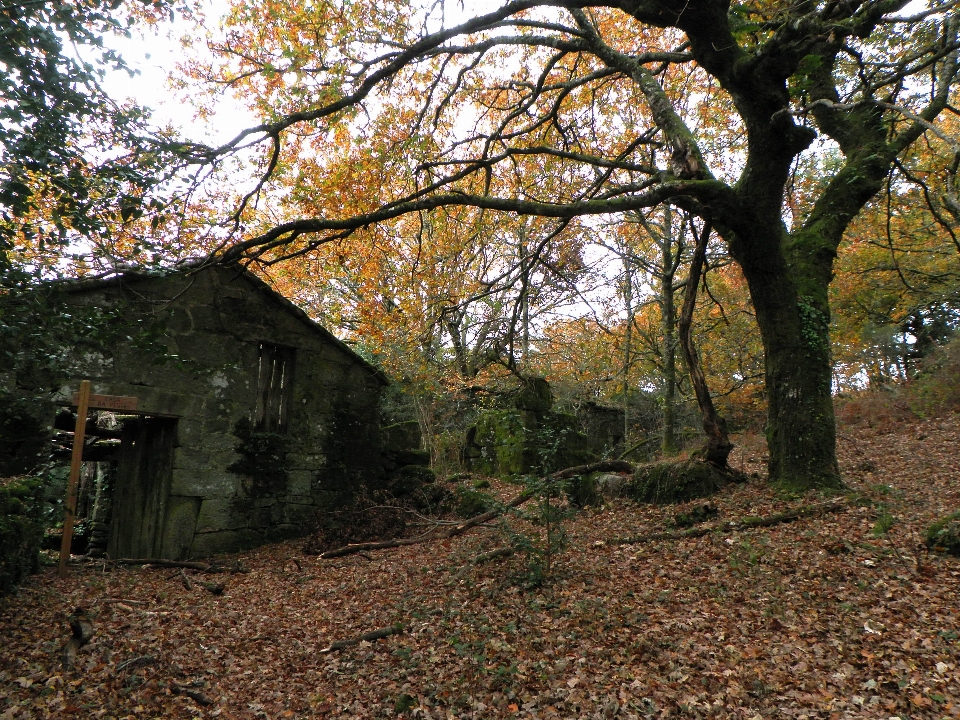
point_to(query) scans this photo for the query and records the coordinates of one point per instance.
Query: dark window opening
(274, 387)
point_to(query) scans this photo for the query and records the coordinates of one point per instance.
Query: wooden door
(144, 469)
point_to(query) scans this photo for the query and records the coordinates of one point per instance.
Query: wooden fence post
(75, 460)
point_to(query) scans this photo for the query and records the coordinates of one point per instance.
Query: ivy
(814, 325)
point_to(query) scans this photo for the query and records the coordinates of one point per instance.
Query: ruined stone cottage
(262, 419)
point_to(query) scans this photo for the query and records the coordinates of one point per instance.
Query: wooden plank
(110, 402)
(83, 398)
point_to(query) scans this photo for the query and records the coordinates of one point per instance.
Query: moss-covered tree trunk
(793, 316)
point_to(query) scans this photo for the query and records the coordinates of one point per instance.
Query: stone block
(413, 457)
(282, 532)
(226, 541)
(204, 482)
(300, 482)
(222, 514)
(179, 527)
(304, 516)
(306, 461)
(611, 485)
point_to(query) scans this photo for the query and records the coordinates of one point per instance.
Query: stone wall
(215, 321)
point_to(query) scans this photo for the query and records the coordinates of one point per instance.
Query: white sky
(155, 52)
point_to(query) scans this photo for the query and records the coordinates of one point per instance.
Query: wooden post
(83, 401)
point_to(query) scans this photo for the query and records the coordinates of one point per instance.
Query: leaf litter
(838, 615)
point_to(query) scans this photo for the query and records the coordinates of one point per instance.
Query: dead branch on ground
(194, 695)
(212, 568)
(459, 529)
(366, 637)
(745, 523)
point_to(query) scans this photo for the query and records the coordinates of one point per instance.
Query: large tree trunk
(790, 299)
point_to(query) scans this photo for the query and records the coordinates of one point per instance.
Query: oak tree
(555, 109)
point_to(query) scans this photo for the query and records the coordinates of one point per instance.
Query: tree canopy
(388, 124)
(373, 113)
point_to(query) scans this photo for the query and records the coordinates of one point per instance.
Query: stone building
(261, 419)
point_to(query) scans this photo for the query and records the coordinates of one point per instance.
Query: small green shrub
(695, 516)
(22, 522)
(944, 534)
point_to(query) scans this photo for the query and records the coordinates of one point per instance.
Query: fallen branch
(636, 446)
(189, 565)
(202, 567)
(141, 661)
(741, 524)
(366, 637)
(215, 588)
(194, 695)
(185, 580)
(361, 547)
(601, 466)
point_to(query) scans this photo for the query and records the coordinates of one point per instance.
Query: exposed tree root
(740, 524)
(366, 637)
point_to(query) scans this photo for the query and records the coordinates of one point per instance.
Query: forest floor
(817, 618)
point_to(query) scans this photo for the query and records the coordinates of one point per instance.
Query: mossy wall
(22, 522)
(526, 438)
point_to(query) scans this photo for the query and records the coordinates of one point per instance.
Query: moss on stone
(582, 491)
(409, 479)
(677, 481)
(511, 443)
(944, 535)
(534, 395)
(22, 516)
(472, 502)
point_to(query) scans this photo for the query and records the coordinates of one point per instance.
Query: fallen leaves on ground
(819, 618)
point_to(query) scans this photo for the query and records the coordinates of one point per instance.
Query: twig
(186, 581)
(366, 637)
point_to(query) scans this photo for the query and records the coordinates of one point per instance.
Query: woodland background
(617, 613)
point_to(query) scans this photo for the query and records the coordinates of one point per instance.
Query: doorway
(142, 486)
